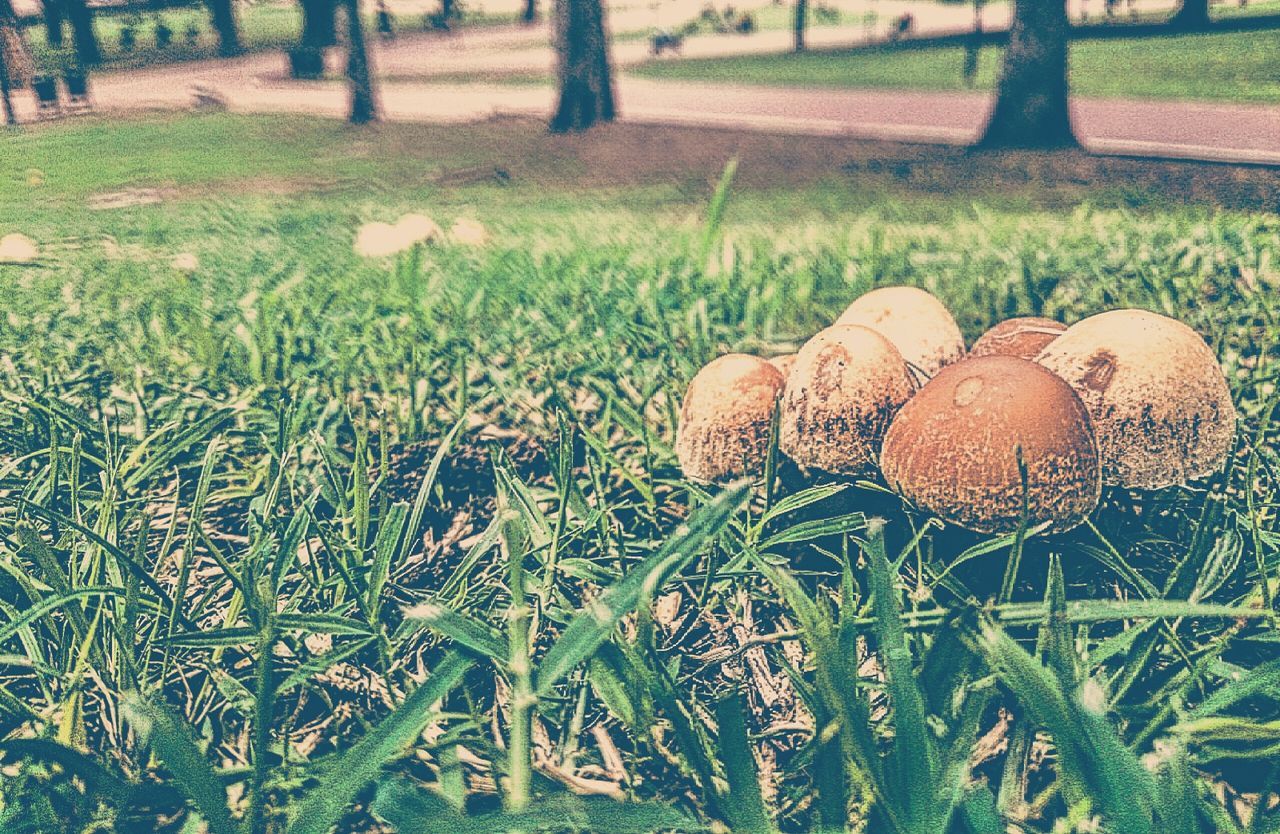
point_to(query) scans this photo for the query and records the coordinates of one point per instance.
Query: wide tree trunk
(586, 77)
(802, 18)
(81, 17)
(53, 19)
(319, 23)
(222, 14)
(364, 97)
(1032, 109)
(1192, 14)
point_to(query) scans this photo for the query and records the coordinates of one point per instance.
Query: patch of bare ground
(623, 155)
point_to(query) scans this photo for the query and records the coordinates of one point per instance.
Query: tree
(530, 11)
(7, 23)
(319, 24)
(222, 14)
(583, 66)
(802, 15)
(364, 96)
(81, 17)
(53, 19)
(1032, 109)
(1191, 14)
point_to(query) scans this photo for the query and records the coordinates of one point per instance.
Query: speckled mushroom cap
(842, 392)
(953, 449)
(784, 363)
(918, 325)
(1159, 403)
(724, 422)
(1023, 337)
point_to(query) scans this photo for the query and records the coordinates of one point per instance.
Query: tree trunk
(81, 18)
(583, 66)
(1032, 109)
(222, 14)
(530, 11)
(802, 17)
(53, 18)
(1191, 14)
(7, 21)
(364, 98)
(319, 25)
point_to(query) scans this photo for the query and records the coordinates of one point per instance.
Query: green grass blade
(914, 760)
(346, 776)
(464, 630)
(173, 742)
(592, 626)
(743, 804)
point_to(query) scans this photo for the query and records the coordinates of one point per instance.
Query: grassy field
(1236, 66)
(292, 539)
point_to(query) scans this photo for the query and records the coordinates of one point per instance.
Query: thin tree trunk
(81, 17)
(1191, 14)
(222, 14)
(53, 19)
(584, 69)
(364, 97)
(530, 11)
(1032, 108)
(7, 21)
(802, 18)
(319, 25)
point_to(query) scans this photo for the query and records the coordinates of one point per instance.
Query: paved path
(423, 73)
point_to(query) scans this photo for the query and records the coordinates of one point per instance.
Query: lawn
(1235, 66)
(293, 538)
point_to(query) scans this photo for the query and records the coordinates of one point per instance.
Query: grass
(301, 539)
(1237, 67)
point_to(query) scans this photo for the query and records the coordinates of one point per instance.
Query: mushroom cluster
(1023, 428)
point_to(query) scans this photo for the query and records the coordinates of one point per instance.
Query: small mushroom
(1022, 337)
(953, 450)
(1159, 403)
(845, 387)
(917, 324)
(725, 419)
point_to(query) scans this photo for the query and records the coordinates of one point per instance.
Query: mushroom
(1022, 337)
(726, 416)
(17, 248)
(845, 387)
(953, 450)
(1159, 403)
(418, 228)
(784, 363)
(917, 324)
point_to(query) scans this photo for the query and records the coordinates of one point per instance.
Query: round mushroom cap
(726, 416)
(953, 449)
(784, 363)
(841, 394)
(1159, 403)
(917, 323)
(1023, 337)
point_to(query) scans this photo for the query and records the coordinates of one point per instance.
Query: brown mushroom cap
(1022, 337)
(784, 363)
(1159, 403)
(918, 325)
(725, 419)
(845, 387)
(953, 449)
